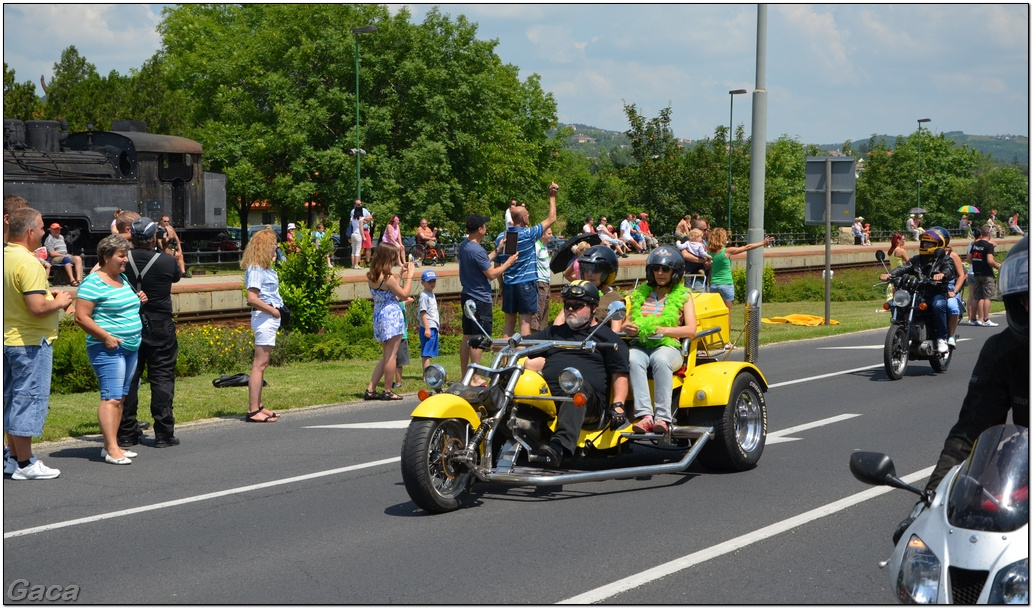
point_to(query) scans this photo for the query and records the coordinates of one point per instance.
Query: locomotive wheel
(432, 479)
(741, 429)
(894, 354)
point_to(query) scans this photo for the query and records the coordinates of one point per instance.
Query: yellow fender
(446, 406)
(715, 381)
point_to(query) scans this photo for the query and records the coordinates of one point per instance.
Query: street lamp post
(358, 152)
(919, 180)
(731, 104)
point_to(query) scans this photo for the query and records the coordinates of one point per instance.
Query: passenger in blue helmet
(661, 315)
(955, 302)
(935, 263)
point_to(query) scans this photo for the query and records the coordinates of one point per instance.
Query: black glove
(480, 342)
(618, 418)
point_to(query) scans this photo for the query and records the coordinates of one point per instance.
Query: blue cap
(428, 276)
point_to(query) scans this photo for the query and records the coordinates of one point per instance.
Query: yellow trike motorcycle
(461, 434)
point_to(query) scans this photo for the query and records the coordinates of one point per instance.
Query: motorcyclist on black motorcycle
(932, 263)
(1000, 378)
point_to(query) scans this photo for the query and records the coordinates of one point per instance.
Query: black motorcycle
(909, 336)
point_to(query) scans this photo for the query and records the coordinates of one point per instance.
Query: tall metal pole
(758, 154)
(919, 180)
(731, 105)
(358, 147)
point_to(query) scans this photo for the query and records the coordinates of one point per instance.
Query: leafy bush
(72, 372)
(214, 350)
(739, 280)
(308, 280)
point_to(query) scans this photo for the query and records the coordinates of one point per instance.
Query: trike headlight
(434, 376)
(920, 572)
(571, 381)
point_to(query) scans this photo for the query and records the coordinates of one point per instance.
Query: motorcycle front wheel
(432, 478)
(894, 354)
(940, 363)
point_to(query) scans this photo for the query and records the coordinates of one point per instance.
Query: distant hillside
(1005, 149)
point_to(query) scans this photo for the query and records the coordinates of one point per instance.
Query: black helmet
(1013, 285)
(599, 258)
(665, 255)
(582, 290)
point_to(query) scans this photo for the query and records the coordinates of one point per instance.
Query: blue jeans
(663, 361)
(27, 388)
(114, 368)
(938, 303)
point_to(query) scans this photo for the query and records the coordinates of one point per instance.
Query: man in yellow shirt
(30, 327)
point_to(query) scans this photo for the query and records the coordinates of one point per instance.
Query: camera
(161, 232)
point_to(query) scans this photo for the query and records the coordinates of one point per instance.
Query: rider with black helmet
(935, 263)
(1000, 379)
(661, 314)
(597, 265)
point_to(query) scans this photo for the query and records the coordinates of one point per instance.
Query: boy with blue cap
(428, 315)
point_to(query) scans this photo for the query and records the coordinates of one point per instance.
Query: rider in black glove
(932, 262)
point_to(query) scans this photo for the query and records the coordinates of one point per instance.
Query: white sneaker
(10, 465)
(941, 345)
(989, 324)
(952, 342)
(35, 471)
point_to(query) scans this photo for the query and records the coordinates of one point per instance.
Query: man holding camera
(520, 281)
(153, 272)
(170, 244)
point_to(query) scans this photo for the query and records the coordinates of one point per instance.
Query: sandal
(373, 395)
(269, 418)
(390, 396)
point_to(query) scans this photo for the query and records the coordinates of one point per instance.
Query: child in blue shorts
(428, 315)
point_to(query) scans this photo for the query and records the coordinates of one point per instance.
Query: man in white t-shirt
(589, 227)
(627, 232)
(509, 211)
(57, 251)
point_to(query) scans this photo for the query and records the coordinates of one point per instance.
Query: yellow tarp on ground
(799, 320)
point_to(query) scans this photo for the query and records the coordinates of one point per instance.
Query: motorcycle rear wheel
(895, 353)
(740, 431)
(940, 363)
(431, 477)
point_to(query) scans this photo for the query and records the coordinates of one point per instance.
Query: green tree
(20, 99)
(655, 178)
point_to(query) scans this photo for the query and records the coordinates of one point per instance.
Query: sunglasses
(574, 305)
(663, 268)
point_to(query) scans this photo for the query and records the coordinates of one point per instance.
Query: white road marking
(777, 437)
(371, 425)
(823, 376)
(868, 347)
(691, 560)
(196, 498)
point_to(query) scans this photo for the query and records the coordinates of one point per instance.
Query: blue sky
(834, 71)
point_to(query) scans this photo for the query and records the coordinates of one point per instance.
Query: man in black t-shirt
(153, 272)
(981, 280)
(601, 369)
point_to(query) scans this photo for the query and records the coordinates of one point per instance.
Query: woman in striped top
(660, 316)
(108, 309)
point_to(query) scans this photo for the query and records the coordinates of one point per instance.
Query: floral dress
(388, 319)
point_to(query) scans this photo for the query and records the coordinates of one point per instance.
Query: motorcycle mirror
(871, 468)
(880, 255)
(616, 310)
(470, 310)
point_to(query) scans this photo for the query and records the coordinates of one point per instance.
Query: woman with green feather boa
(660, 316)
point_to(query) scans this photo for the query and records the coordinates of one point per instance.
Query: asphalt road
(312, 509)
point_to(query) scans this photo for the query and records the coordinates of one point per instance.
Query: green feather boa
(667, 319)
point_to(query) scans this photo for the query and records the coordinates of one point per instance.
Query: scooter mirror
(872, 468)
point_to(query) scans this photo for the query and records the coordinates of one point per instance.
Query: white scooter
(968, 542)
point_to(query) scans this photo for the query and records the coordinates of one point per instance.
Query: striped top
(655, 307)
(116, 310)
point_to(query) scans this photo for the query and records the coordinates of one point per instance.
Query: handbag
(285, 317)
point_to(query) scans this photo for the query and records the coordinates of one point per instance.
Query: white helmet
(1013, 285)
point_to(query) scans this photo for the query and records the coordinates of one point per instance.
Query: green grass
(310, 384)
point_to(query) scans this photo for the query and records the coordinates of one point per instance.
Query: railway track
(234, 317)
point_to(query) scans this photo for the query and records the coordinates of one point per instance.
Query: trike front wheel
(433, 478)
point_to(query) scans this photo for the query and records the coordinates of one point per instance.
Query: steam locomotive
(82, 179)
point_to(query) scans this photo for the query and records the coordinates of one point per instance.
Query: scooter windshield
(991, 491)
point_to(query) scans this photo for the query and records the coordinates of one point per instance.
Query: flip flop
(250, 417)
